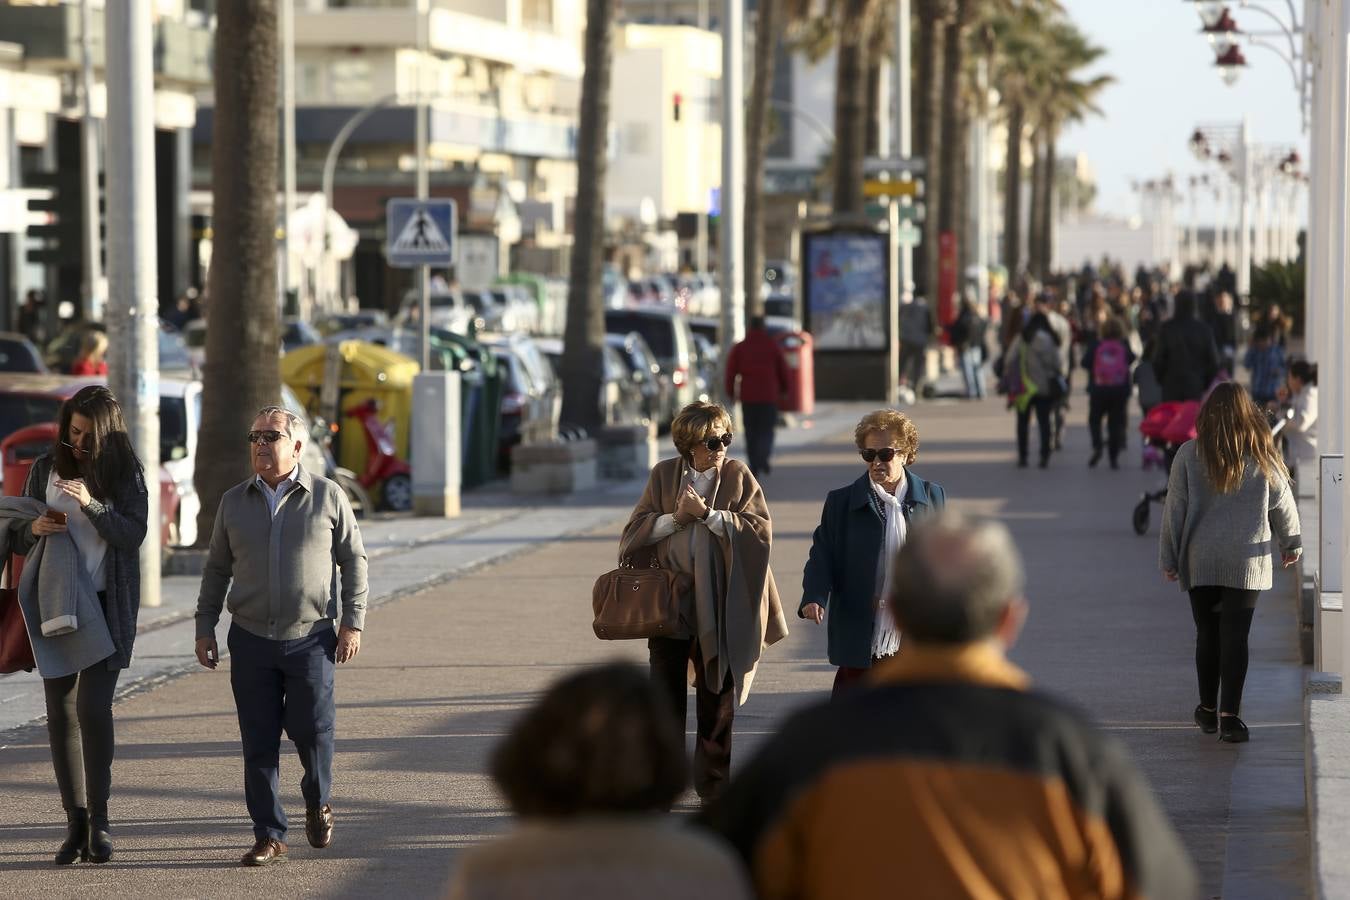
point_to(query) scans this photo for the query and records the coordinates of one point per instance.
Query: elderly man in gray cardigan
(1218, 545)
(278, 538)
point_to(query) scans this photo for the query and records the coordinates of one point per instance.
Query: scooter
(383, 467)
(322, 434)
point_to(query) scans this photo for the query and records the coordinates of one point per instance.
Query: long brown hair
(111, 460)
(1229, 432)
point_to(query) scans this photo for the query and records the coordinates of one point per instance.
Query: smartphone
(56, 516)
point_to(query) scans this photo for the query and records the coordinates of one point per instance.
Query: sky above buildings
(1166, 85)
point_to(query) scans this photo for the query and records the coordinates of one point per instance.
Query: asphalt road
(442, 674)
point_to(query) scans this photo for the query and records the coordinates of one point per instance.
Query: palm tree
(928, 16)
(855, 23)
(1018, 38)
(1062, 98)
(240, 374)
(757, 127)
(584, 336)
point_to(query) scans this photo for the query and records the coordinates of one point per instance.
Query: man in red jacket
(763, 374)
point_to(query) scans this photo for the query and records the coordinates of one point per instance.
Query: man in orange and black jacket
(948, 777)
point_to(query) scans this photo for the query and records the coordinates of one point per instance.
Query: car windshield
(21, 410)
(173, 352)
(17, 356)
(172, 425)
(641, 358)
(655, 330)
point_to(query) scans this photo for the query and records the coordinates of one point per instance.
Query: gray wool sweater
(1225, 540)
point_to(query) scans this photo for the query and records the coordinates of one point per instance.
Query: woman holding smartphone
(94, 487)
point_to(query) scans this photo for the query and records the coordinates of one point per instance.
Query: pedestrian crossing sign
(420, 232)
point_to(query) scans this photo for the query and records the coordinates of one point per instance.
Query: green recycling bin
(480, 404)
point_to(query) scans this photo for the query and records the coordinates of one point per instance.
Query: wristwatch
(707, 511)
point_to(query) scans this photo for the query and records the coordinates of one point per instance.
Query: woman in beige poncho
(704, 516)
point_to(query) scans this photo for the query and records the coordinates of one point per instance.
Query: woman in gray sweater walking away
(1228, 495)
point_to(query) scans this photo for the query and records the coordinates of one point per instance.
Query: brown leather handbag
(639, 599)
(16, 652)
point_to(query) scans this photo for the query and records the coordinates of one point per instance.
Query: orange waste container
(799, 352)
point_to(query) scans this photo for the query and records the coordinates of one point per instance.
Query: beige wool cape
(734, 611)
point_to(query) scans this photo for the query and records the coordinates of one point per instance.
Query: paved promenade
(443, 671)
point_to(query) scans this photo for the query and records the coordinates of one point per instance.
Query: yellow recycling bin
(330, 379)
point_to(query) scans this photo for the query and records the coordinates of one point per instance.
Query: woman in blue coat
(861, 529)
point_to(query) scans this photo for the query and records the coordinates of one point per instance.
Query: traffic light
(677, 99)
(62, 237)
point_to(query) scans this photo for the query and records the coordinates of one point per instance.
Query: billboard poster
(847, 290)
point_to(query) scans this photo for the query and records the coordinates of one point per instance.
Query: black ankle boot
(1233, 730)
(73, 848)
(100, 842)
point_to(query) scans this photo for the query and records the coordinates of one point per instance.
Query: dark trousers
(1042, 406)
(715, 709)
(847, 678)
(1223, 618)
(1114, 408)
(760, 421)
(283, 684)
(913, 365)
(80, 729)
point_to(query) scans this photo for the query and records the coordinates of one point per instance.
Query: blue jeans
(283, 684)
(972, 369)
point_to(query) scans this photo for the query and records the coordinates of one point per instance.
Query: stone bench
(554, 467)
(627, 452)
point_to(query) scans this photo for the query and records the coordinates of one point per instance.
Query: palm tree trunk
(584, 337)
(1047, 238)
(1034, 216)
(850, 107)
(950, 215)
(965, 221)
(756, 142)
(928, 37)
(874, 111)
(1012, 190)
(240, 374)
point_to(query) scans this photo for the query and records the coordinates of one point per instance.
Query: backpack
(1110, 365)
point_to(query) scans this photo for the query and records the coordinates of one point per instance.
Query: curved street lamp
(1222, 33)
(1230, 64)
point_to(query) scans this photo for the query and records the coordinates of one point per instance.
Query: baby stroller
(1166, 427)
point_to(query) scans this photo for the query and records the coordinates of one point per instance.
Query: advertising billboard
(846, 289)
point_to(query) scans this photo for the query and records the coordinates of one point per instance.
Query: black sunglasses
(265, 437)
(885, 454)
(716, 443)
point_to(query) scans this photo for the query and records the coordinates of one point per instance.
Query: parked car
(518, 313)
(487, 314)
(296, 332)
(17, 354)
(531, 393)
(668, 335)
(658, 394)
(451, 310)
(363, 318)
(174, 354)
(35, 400)
(705, 365)
(620, 397)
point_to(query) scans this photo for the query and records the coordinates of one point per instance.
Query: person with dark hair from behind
(1185, 357)
(756, 366)
(949, 773)
(591, 771)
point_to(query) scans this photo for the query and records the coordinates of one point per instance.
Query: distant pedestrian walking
(1298, 400)
(279, 540)
(92, 358)
(1185, 357)
(862, 527)
(1229, 506)
(948, 776)
(757, 375)
(707, 519)
(967, 335)
(590, 770)
(1264, 360)
(917, 328)
(1033, 383)
(1108, 361)
(81, 591)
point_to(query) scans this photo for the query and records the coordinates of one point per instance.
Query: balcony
(50, 36)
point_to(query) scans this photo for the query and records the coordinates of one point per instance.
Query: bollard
(435, 442)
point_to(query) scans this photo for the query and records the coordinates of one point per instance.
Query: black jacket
(1186, 358)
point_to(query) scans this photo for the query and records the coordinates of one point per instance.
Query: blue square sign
(420, 232)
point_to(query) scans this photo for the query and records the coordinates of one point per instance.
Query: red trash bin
(798, 351)
(18, 452)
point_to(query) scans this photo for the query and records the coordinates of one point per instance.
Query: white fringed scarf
(885, 636)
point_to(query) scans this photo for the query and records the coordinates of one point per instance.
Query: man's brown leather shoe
(265, 852)
(319, 826)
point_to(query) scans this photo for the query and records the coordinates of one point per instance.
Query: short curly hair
(895, 425)
(694, 423)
